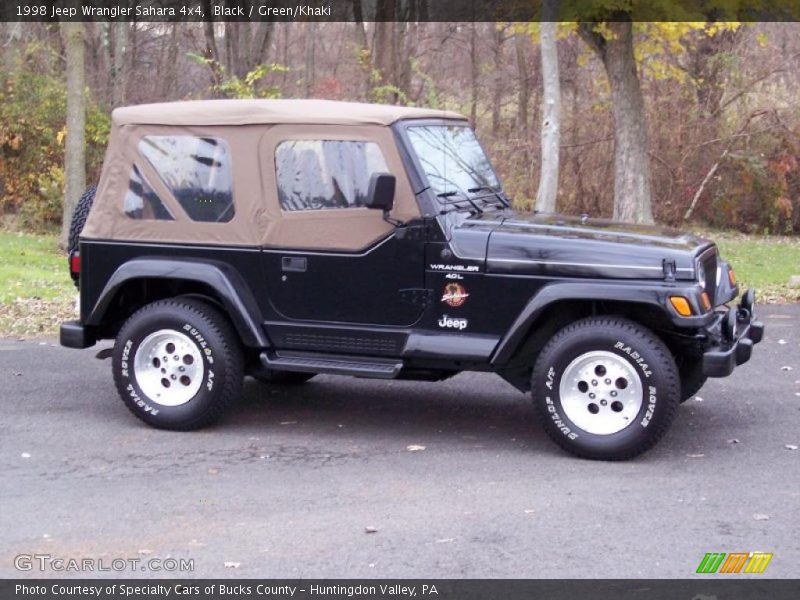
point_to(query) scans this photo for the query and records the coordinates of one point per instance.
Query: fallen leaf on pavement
(695, 455)
(25, 455)
(761, 517)
(733, 441)
(791, 447)
(415, 448)
(786, 368)
(370, 529)
(232, 565)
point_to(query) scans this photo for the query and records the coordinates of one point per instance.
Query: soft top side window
(197, 170)
(324, 174)
(141, 202)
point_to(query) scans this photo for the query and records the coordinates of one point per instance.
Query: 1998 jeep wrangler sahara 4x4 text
(285, 238)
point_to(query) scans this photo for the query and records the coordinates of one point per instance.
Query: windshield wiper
(486, 188)
(460, 193)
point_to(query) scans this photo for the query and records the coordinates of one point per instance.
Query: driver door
(333, 261)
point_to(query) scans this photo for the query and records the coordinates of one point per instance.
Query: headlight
(701, 276)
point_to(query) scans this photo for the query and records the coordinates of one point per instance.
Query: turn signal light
(705, 301)
(681, 304)
(731, 276)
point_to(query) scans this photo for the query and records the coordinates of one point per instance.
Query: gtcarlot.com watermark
(60, 564)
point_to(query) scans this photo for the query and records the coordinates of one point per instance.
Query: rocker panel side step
(339, 365)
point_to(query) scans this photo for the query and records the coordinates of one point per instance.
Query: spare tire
(79, 217)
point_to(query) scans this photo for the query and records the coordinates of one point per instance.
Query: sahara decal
(463, 268)
(450, 323)
(454, 294)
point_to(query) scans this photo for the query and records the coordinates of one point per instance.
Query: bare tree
(310, 51)
(74, 153)
(120, 62)
(551, 118)
(632, 190)
(520, 42)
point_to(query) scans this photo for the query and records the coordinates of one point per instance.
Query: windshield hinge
(412, 232)
(669, 269)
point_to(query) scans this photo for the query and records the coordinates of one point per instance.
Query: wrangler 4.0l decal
(464, 268)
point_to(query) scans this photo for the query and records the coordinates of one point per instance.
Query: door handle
(296, 264)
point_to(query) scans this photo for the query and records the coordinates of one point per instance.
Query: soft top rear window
(197, 170)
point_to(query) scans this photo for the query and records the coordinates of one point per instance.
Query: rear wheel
(178, 364)
(605, 388)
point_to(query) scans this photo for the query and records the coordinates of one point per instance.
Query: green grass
(765, 263)
(32, 267)
(36, 292)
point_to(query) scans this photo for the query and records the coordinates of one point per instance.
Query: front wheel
(605, 388)
(178, 364)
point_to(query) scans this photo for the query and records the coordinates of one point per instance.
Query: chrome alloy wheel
(601, 392)
(168, 367)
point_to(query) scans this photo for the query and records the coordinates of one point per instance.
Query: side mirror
(380, 193)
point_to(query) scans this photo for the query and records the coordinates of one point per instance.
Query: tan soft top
(247, 112)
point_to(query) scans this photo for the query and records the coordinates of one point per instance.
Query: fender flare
(639, 293)
(237, 298)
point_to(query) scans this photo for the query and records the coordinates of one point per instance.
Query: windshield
(452, 160)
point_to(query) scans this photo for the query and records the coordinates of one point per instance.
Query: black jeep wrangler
(284, 238)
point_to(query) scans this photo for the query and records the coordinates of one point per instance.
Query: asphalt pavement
(344, 477)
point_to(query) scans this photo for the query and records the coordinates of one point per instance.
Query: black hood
(555, 245)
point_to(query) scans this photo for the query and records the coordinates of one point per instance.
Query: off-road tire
(79, 216)
(637, 346)
(216, 343)
(692, 378)
(276, 377)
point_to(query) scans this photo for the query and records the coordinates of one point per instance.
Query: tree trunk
(474, 75)
(551, 119)
(119, 66)
(523, 91)
(310, 50)
(170, 82)
(632, 191)
(74, 152)
(497, 79)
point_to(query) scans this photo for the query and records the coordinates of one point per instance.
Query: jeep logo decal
(450, 323)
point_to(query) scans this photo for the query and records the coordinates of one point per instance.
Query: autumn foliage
(720, 101)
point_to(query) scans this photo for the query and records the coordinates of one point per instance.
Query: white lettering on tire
(651, 406)
(635, 356)
(126, 351)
